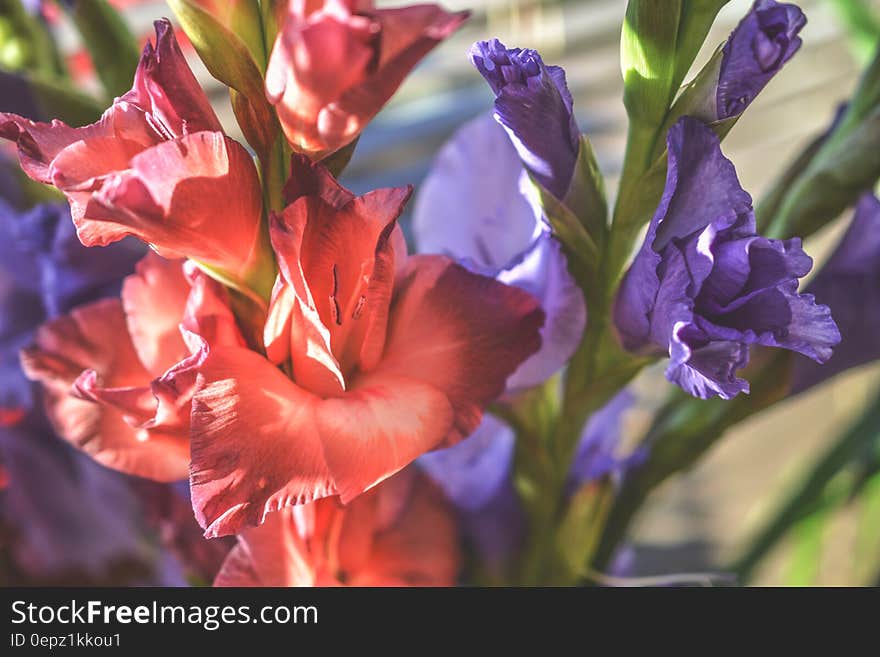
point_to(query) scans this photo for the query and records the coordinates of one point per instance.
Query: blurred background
(699, 520)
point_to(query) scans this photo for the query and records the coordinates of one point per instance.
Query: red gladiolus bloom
(389, 357)
(118, 374)
(156, 165)
(336, 63)
(399, 534)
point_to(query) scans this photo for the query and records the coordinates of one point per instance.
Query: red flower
(156, 165)
(118, 374)
(336, 63)
(389, 357)
(401, 533)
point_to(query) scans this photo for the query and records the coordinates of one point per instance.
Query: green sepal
(336, 162)
(586, 198)
(697, 17)
(230, 61)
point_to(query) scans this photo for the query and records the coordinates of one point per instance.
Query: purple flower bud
(534, 105)
(756, 50)
(704, 286)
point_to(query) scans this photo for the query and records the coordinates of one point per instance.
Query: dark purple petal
(757, 49)
(534, 105)
(473, 206)
(70, 273)
(704, 286)
(850, 284)
(702, 193)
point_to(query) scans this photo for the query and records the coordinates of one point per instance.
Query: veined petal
(460, 332)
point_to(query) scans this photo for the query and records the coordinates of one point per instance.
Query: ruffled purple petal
(471, 472)
(704, 286)
(535, 107)
(702, 195)
(757, 49)
(470, 206)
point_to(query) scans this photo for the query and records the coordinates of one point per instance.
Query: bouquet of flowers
(345, 397)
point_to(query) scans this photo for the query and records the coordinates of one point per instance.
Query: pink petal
(255, 444)
(197, 196)
(91, 343)
(273, 554)
(154, 299)
(380, 426)
(459, 332)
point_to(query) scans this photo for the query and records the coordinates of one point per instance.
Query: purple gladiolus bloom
(756, 50)
(65, 518)
(849, 283)
(534, 105)
(474, 207)
(704, 286)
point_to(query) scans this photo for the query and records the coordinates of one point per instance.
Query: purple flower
(756, 50)
(45, 272)
(534, 105)
(849, 283)
(473, 206)
(67, 519)
(704, 286)
(476, 477)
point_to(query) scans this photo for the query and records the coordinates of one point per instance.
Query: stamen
(334, 304)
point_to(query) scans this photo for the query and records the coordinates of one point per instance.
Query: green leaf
(59, 99)
(583, 254)
(866, 561)
(839, 172)
(110, 43)
(25, 43)
(841, 168)
(224, 54)
(581, 526)
(863, 24)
